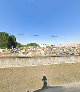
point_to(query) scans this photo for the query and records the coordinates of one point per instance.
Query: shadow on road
(51, 89)
(47, 88)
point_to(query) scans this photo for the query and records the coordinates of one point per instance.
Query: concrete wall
(20, 62)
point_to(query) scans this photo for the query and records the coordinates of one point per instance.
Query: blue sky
(60, 18)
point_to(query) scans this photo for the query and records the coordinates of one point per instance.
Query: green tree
(19, 45)
(32, 44)
(11, 42)
(3, 39)
(7, 41)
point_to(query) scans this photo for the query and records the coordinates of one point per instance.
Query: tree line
(9, 41)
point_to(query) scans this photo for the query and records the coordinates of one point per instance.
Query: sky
(54, 21)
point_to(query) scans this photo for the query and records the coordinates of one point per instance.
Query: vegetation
(11, 42)
(3, 39)
(19, 45)
(7, 41)
(26, 46)
(32, 44)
